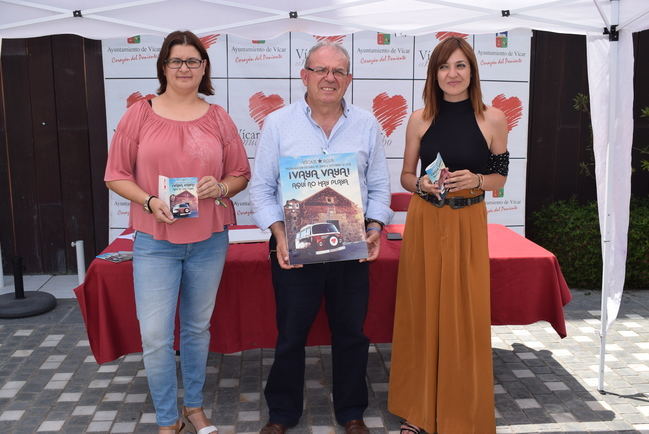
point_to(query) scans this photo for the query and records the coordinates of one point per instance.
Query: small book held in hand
(180, 194)
(438, 172)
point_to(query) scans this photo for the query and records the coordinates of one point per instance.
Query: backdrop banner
(252, 78)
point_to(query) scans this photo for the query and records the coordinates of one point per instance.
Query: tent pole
(608, 195)
(2, 274)
(636, 18)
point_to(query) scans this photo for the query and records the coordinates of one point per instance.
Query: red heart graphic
(208, 40)
(261, 106)
(135, 97)
(336, 39)
(443, 35)
(389, 111)
(512, 108)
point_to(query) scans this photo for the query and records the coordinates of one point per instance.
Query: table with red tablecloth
(526, 286)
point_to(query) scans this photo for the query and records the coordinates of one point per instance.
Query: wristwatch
(147, 208)
(369, 220)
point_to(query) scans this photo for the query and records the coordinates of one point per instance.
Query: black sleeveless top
(456, 136)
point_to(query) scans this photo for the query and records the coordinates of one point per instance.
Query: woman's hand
(461, 180)
(208, 187)
(161, 211)
(427, 186)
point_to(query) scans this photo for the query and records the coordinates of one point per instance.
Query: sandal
(408, 428)
(205, 430)
(174, 428)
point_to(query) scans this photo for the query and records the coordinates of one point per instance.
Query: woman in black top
(441, 376)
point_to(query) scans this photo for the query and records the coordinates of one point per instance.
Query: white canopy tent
(608, 25)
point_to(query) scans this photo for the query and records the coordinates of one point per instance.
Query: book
(180, 194)
(120, 256)
(437, 173)
(323, 208)
(250, 235)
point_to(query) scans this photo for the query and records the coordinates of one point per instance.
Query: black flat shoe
(405, 426)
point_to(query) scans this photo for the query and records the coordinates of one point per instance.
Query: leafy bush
(570, 230)
(581, 103)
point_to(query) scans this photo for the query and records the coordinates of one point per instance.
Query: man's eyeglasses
(323, 72)
(192, 63)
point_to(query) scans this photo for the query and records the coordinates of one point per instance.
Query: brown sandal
(174, 428)
(205, 430)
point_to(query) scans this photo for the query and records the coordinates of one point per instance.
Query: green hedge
(570, 230)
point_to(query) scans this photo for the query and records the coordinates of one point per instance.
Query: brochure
(437, 173)
(180, 194)
(120, 256)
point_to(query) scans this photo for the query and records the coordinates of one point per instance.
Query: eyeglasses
(192, 63)
(323, 72)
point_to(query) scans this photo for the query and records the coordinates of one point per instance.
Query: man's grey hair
(323, 44)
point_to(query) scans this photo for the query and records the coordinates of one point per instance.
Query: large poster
(252, 78)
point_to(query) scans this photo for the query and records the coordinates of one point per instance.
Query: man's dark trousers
(298, 296)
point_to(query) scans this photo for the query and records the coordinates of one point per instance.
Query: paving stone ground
(50, 382)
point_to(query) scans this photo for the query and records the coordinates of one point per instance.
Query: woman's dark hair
(433, 94)
(183, 38)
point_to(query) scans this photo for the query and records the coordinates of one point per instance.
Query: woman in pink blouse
(177, 259)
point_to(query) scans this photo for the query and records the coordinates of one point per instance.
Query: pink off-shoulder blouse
(146, 145)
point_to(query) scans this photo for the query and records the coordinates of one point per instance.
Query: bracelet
(224, 192)
(373, 229)
(224, 189)
(480, 180)
(147, 203)
(418, 189)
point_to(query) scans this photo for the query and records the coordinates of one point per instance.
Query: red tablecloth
(526, 286)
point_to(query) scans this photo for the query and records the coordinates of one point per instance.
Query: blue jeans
(162, 271)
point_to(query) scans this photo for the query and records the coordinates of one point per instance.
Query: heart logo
(260, 106)
(208, 40)
(135, 97)
(443, 35)
(336, 39)
(512, 108)
(389, 111)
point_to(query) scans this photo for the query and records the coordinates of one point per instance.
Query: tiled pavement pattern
(49, 381)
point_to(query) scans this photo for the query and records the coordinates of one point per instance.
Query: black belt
(453, 202)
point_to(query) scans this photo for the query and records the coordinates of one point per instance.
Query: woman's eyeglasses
(192, 63)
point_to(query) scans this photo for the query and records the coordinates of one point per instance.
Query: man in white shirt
(320, 123)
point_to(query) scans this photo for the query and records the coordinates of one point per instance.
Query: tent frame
(613, 39)
(307, 14)
(614, 228)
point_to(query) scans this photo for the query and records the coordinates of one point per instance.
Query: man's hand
(373, 239)
(277, 229)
